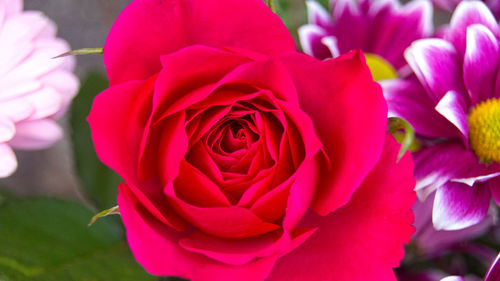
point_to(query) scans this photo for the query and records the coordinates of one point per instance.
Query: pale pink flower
(35, 89)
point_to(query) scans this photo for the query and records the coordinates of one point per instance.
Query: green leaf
(99, 182)
(48, 240)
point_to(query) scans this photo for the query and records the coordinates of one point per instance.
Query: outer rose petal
(162, 27)
(117, 120)
(352, 133)
(155, 246)
(343, 246)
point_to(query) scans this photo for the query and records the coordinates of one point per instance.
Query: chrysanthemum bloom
(457, 107)
(378, 27)
(34, 88)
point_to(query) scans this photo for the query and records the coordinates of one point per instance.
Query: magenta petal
(453, 107)
(407, 99)
(458, 205)
(471, 181)
(163, 27)
(436, 64)
(468, 13)
(494, 271)
(495, 189)
(433, 166)
(331, 43)
(310, 37)
(480, 62)
(392, 28)
(432, 242)
(452, 278)
(317, 15)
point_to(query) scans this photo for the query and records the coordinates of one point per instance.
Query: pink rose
(243, 159)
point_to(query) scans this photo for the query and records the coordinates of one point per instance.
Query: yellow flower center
(484, 130)
(380, 68)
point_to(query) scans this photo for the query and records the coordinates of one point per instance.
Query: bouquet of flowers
(225, 153)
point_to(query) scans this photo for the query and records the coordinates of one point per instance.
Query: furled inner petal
(172, 147)
(225, 222)
(197, 189)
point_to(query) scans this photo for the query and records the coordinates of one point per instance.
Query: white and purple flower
(379, 27)
(454, 104)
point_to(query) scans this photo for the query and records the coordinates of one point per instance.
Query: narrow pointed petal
(317, 15)
(435, 62)
(331, 43)
(310, 37)
(453, 107)
(480, 62)
(471, 181)
(458, 205)
(468, 13)
(433, 169)
(407, 99)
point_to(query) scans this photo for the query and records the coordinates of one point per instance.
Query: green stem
(83, 51)
(395, 124)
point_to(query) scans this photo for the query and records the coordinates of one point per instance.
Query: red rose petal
(117, 121)
(362, 240)
(147, 29)
(224, 222)
(236, 252)
(167, 138)
(155, 246)
(352, 132)
(197, 189)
